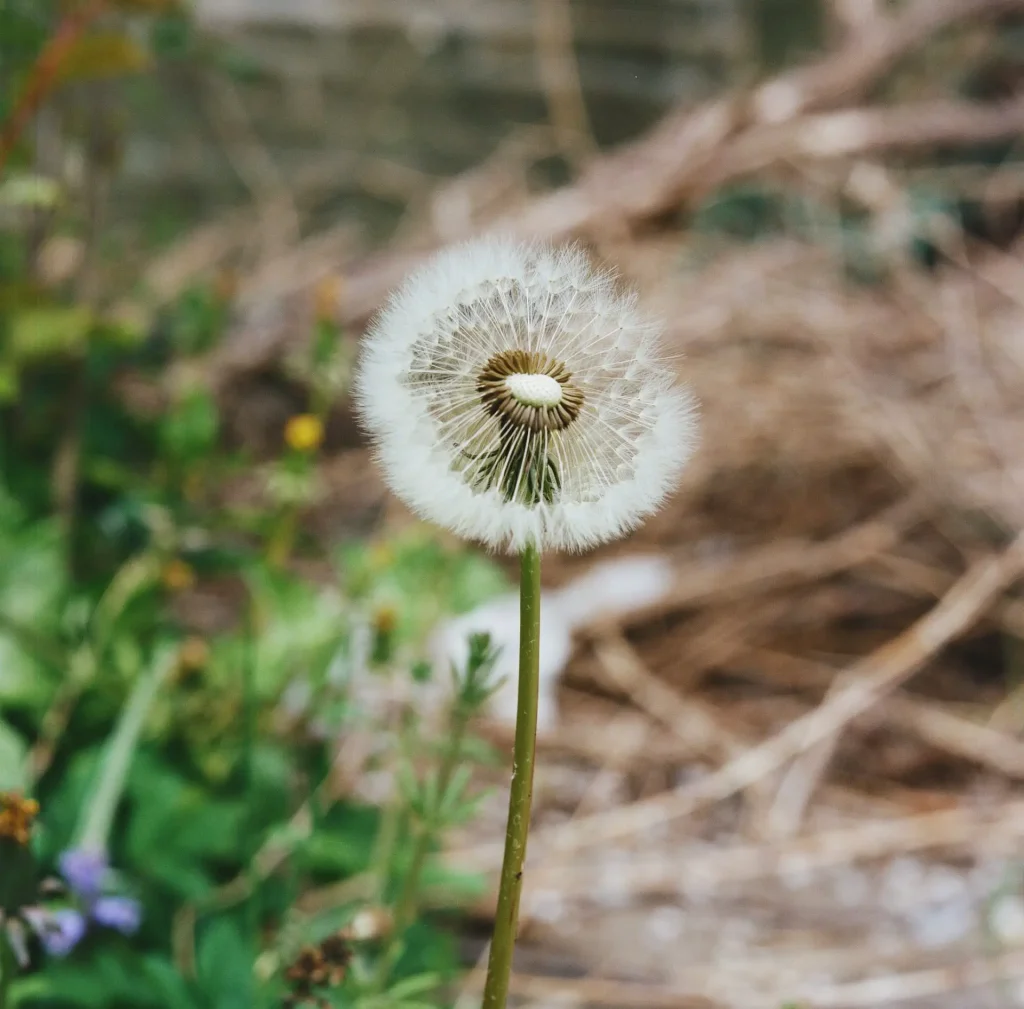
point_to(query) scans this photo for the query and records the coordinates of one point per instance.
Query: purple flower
(121, 913)
(59, 930)
(85, 871)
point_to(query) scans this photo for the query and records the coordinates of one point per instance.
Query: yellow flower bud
(178, 576)
(17, 814)
(304, 432)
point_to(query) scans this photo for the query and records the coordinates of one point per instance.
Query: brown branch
(869, 681)
(673, 162)
(781, 565)
(981, 828)
(704, 991)
(857, 132)
(45, 73)
(848, 73)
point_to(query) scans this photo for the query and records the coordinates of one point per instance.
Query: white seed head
(515, 397)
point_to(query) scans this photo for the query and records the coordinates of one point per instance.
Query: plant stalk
(8, 968)
(499, 963)
(45, 74)
(426, 834)
(94, 828)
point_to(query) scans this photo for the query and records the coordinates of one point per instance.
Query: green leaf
(345, 846)
(225, 965)
(100, 979)
(171, 35)
(190, 431)
(41, 332)
(23, 681)
(29, 190)
(169, 986)
(12, 759)
(415, 985)
(453, 805)
(100, 56)
(9, 384)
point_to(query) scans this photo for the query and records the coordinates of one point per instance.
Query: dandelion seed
(515, 397)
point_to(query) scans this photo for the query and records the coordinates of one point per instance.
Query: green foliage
(153, 638)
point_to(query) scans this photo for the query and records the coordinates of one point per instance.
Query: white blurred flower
(610, 589)
(516, 398)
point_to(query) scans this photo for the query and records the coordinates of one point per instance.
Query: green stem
(405, 906)
(99, 810)
(8, 968)
(405, 909)
(499, 964)
(251, 844)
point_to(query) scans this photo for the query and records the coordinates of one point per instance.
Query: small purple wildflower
(84, 871)
(60, 930)
(87, 874)
(120, 913)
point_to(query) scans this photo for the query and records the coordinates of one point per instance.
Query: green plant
(189, 826)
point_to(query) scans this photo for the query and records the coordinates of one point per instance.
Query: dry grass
(797, 779)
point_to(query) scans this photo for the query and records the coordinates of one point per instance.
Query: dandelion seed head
(516, 397)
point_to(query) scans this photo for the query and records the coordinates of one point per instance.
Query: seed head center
(541, 391)
(528, 389)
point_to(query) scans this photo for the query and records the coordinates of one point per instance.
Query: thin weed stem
(426, 835)
(8, 968)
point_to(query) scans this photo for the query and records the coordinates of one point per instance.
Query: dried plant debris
(315, 971)
(792, 774)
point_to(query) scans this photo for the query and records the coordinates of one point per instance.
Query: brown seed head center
(499, 398)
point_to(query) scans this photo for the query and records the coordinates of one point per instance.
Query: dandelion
(326, 297)
(304, 432)
(517, 398)
(178, 575)
(193, 655)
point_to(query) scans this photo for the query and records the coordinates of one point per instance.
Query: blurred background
(783, 757)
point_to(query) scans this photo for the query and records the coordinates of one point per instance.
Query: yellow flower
(194, 654)
(17, 815)
(177, 576)
(326, 297)
(304, 432)
(385, 619)
(381, 556)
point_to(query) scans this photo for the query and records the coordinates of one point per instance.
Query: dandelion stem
(499, 964)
